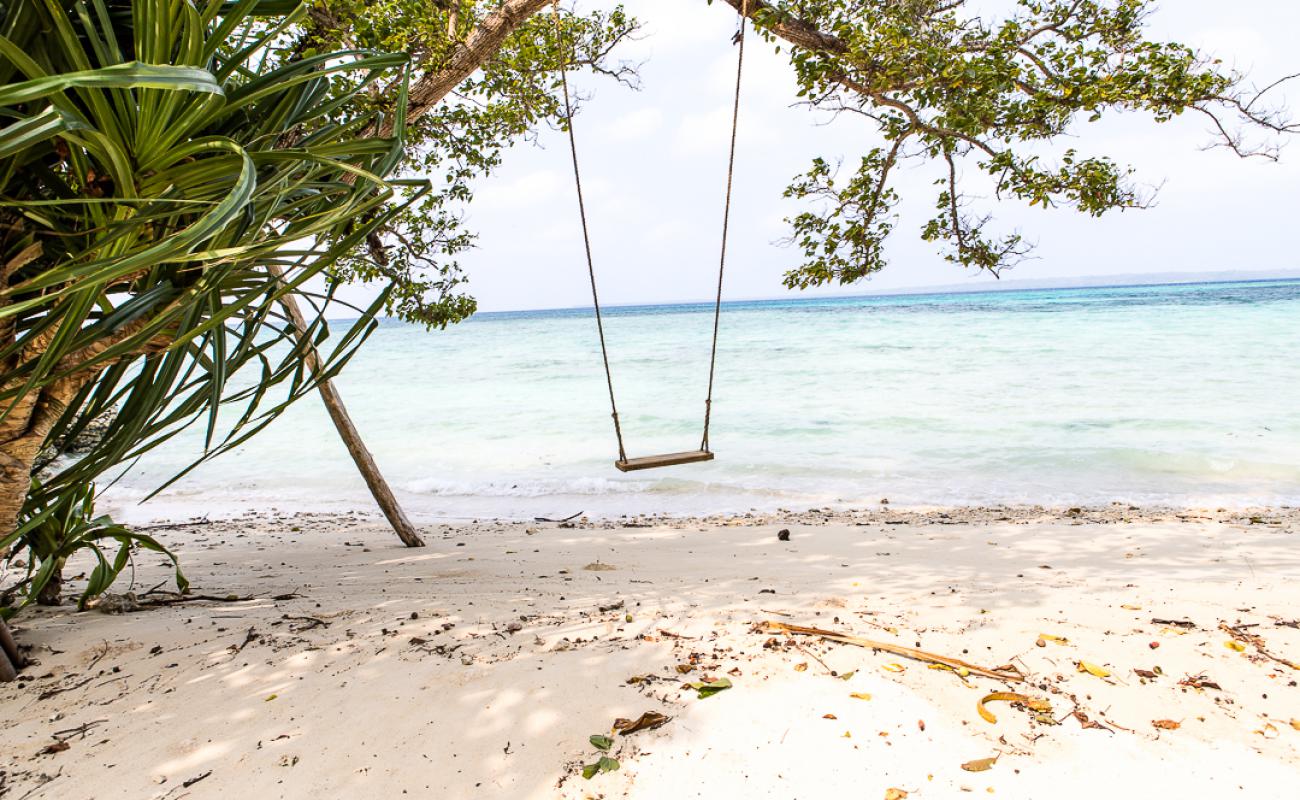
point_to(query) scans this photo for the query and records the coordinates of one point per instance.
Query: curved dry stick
(906, 652)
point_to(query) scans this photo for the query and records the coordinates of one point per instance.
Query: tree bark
(33, 415)
(481, 44)
(348, 432)
(492, 31)
(10, 659)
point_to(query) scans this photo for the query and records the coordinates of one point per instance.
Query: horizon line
(1187, 279)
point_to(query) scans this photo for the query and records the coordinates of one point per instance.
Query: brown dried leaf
(895, 794)
(1166, 724)
(646, 722)
(1199, 682)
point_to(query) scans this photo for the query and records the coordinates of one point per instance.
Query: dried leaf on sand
(980, 764)
(1093, 669)
(1010, 697)
(646, 722)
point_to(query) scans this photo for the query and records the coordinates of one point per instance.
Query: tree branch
(479, 46)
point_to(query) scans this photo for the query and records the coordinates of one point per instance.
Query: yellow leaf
(1093, 669)
(801, 666)
(1049, 637)
(1010, 697)
(269, 699)
(894, 667)
(1295, 723)
(1233, 644)
(861, 696)
(847, 735)
(895, 794)
(1131, 607)
(980, 764)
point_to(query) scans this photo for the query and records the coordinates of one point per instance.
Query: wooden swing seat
(665, 460)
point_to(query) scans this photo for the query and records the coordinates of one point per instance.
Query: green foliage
(458, 143)
(55, 529)
(162, 167)
(940, 84)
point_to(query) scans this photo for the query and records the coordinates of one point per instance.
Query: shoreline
(887, 512)
(329, 658)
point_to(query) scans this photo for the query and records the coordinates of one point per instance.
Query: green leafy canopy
(981, 94)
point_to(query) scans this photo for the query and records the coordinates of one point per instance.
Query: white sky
(654, 166)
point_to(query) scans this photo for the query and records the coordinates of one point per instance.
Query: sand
(335, 663)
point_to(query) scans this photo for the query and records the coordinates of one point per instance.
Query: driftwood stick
(906, 652)
(347, 431)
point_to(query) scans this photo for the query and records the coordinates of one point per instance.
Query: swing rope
(726, 219)
(586, 236)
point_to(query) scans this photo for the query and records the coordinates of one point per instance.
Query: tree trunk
(348, 432)
(16, 458)
(10, 659)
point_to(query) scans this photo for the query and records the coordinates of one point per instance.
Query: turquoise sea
(1179, 394)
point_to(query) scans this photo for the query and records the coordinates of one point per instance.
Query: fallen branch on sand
(906, 652)
(569, 518)
(1257, 642)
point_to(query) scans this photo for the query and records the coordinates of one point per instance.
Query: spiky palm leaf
(157, 159)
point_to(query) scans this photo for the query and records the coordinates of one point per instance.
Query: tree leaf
(1166, 724)
(980, 764)
(1093, 669)
(1010, 697)
(710, 689)
(600, 741)
(646, 722)
(604, 764)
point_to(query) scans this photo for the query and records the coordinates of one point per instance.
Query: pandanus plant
(169, 171)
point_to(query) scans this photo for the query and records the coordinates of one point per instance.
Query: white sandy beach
(479, 666)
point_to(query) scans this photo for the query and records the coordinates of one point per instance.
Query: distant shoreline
(1003, 287)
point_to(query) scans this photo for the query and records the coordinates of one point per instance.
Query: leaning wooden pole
(347, 431)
